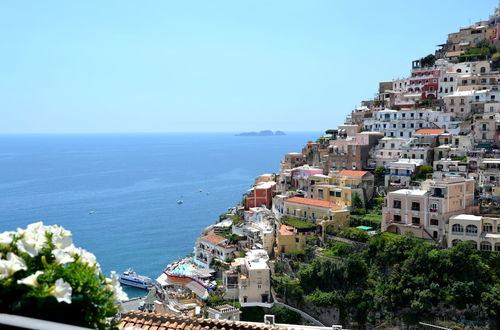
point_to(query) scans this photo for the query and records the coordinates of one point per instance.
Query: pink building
(301, 176)
(425, 212)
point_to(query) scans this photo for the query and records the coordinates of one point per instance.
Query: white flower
(113, 284)
(6, 238)
(11, 265)
(60, 237)
(31, 245)
(85, 257)
(31, 280)
(62, 291)
(62, 257)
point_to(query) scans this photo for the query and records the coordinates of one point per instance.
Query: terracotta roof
(430, 131)
(154, 321)
(352, 173)
(213, 238)
(312, 202)
(286, 230)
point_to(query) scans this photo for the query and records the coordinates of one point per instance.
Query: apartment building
(482, 232)
(424, 212)
(212, 247)
(260, 195)
(400, 173)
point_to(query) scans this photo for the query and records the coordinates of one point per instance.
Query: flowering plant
(43, 275)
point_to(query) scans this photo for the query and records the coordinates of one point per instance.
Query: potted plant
(43, 275)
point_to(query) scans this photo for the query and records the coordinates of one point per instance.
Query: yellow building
(322, 213)
(290, 239)
(342, 187)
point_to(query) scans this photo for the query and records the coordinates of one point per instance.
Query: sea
(119, 193)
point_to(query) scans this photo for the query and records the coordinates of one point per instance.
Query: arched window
(455, 242)
(471, 230)
(457, 229)
(487, 227)
(459, 70)
(485, 246)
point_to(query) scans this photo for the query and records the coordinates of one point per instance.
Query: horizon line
(152, 133)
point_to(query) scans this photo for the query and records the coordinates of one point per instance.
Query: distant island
(262, 133)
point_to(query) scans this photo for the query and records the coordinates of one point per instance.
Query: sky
(208, 66)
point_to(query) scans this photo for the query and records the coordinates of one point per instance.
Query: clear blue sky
(164, 66)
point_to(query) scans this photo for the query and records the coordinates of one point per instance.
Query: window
(471, 230)
(434, 222)
(338, 194)
(320, 192)
(415, 220)
(397, 204)
(487, 227)
(485, 246)
(434, 207)
(457, 229)
(332, 193)
(451, 78)
(397, 218)
(415, 206)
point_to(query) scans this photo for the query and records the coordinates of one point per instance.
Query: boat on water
(180, 201)
(131, 278)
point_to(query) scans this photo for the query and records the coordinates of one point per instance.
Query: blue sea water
(132, 182)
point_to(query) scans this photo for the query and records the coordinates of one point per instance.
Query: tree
(423, 171)
(332, 132)
(357, 203)
(427, 61)
(379, 174)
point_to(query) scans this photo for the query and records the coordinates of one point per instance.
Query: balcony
(433, 210)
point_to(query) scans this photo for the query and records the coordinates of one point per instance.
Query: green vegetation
(397, 277)
(428, 61)
(236, 219)
(460, 159)
(298, 223)
(379, 175)
(285, 315)
(332, 132)
(241, 254)
(423, 171)
(354, 234)
(357, 203)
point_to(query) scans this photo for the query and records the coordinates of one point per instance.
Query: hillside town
(419, 164)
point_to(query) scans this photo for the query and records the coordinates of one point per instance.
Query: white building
(483, 232)
(400, 173)
(212, 247)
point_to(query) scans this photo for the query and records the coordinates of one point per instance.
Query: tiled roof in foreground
(153, 321)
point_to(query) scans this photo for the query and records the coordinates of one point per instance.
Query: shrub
(285, 315)
(355, 234)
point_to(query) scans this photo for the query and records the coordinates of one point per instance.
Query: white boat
(131, 278)
(180, 201)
